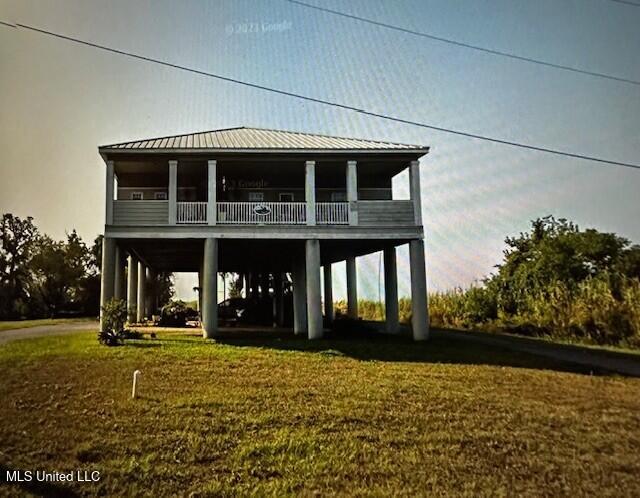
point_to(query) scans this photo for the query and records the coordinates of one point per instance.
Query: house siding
(385, 213)
(140, 212)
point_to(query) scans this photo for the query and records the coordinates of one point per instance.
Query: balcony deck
(369, 213)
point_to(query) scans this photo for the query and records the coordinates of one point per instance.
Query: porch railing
(258, 213)
(192, 212)
(332, 213)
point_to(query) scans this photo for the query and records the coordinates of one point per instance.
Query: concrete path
(42, 330)
(597, 359)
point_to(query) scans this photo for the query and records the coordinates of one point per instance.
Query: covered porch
(277, 191)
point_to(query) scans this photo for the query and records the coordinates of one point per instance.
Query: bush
(404, 310)
(114, 316)
(480, 306)
(176, 314)
(603, 310)
(602, 318)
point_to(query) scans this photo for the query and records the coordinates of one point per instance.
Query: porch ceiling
(330, 170)
(243, 255)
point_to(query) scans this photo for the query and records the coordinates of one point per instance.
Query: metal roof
(252, 139)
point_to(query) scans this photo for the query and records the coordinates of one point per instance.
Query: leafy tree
(59, 270)
(629, 264)
(95, 261)
(235, 285)
(48, 271)
(17, 238)
(90, 284)
(164, 288)
(554, 250)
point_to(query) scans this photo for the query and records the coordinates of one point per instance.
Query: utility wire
(338, 105)
(626, 2)
(468, 45)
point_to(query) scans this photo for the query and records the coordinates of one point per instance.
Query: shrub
(601, 317)
(480, 306)
(114, 316)
(404, 310)
(176, 314)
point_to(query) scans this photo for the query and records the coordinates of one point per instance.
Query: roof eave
(109, 150)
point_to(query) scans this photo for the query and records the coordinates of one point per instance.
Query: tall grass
(599, 310)
(374, 310)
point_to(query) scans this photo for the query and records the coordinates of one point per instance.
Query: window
(136, 196)
(286, 197)
(256, 196)
(160, 196)
(338, 196)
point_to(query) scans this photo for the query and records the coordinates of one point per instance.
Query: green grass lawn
(25, 324)
(274, 415)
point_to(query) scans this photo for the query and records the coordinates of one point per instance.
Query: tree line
(45, 278)
(555, 280)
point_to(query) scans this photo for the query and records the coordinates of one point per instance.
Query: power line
(626, 2)
(468, 45)
(338, 105)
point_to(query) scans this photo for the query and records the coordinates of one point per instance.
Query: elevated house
(261, 202)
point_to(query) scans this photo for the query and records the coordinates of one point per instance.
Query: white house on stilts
(261, 203)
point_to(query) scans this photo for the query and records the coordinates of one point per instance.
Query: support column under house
(132, 289)
(419, 304)
(314, 298)
(210, 288)
(352, 289)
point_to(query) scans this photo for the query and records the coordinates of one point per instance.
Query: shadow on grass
(371, 346)
(139, 343)
(37, 488)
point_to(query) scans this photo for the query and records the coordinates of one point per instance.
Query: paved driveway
(42, 330)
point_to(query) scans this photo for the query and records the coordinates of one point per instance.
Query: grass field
(25, 324)
(273, 415)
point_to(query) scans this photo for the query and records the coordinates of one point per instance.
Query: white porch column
(310, 191)
(210, 289)
(132, 289)
(142, 292)
(150, 303)
(299, 296)
(173, 192)
(314, 298)
(211, 199)
(391, 290)
(419, 305)
(328, 293)
(199, 301)
(107, 274)
(109, 194)
(118, 284)
(352, 289)
(414, 184)
(352, 191)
